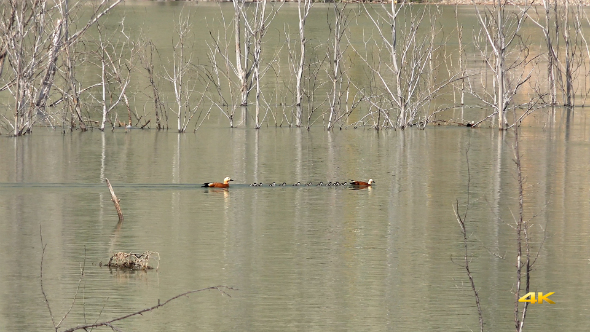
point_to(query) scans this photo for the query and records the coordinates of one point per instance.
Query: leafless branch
(222, 289)
(461, 220)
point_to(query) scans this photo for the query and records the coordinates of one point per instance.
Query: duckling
(336, 183)
(284, 184)
(321, 183)
(297, 184)
(329, 183)
(309, 184)
(272, 184)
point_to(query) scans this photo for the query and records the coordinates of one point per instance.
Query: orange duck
(361, 183)
(225, 183)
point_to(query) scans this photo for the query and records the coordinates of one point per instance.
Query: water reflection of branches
(111, 322)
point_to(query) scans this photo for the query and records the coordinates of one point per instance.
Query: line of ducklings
(353, 183)
(310, 184)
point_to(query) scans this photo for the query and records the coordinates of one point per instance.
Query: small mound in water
(133, 261)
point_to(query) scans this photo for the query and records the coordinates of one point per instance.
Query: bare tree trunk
(51, 67)
(242, 69)
(401, 102)
(71, 81)
(183, 76)
(461, 59)
(302, 12)
(551, 65)
(110, 74)
(502, 123)
(501, 31)
(177, 81)
(258, 32)
(568, 57)
(104, 89)
(524, 259)
(337, 55)
(148, 65)
(462, 219)
(179, 67)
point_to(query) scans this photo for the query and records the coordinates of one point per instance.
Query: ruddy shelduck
(225, 183)
(361, 183)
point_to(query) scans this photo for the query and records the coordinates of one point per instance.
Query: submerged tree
(250, 25)
(402, 59)
(183, 77)
(527, 242)
(336, 51)
(115, 56)
(33, 38)
(509, 59)
(256, 28)
(146, 56)
(297, 58)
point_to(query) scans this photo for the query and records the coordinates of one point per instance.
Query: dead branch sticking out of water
(461, 219)
(123, 260)
(115, 200)
(109, 323)
(57, 325)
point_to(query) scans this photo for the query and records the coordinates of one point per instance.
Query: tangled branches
(123, 260)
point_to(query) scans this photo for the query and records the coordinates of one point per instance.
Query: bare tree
(147, 61)
(183, 77)
(71, 91)
(402, 58)
(461, 58)
(222, 72)
(243, 68)
(524, 258)
(256, 27)
(550, 30)
(303, 12)
(312, 81)
(462, 220)
(575, 59)
(250, 25)
(112, 79)
(336, 53)
(509, 58)
(563, 23)
(34, 36)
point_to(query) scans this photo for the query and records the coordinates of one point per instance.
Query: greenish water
(386, 258)
(301, 258)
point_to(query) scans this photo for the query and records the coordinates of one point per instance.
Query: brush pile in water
(123, 260)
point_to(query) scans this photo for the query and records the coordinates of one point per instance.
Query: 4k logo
(539, 299)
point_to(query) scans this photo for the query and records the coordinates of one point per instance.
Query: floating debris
(133, 261)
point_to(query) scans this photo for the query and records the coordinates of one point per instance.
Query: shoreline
(584, 3)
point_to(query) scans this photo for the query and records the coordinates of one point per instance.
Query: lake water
(318, 258)
(301, 258)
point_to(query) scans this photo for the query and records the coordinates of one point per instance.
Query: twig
(461, 221)
(109, 323)
(76, 294)
(43, 246)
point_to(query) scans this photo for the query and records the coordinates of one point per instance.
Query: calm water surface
(302, 258)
